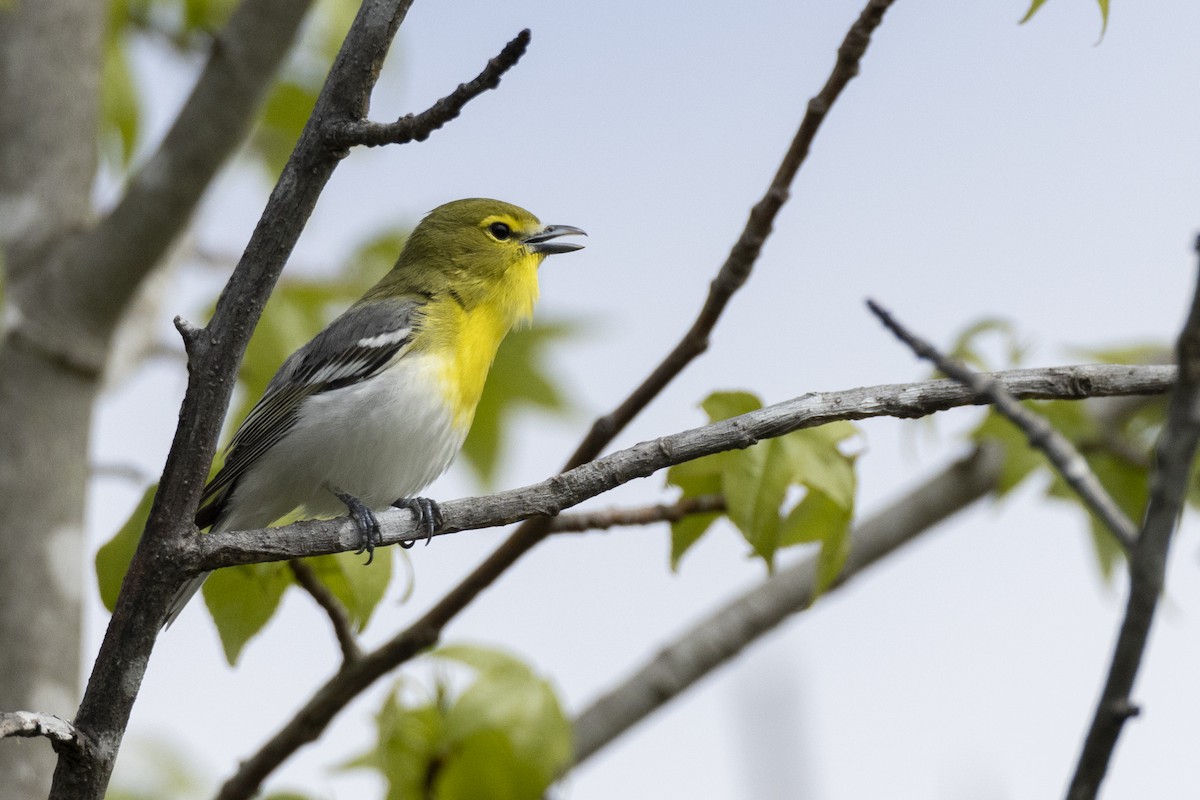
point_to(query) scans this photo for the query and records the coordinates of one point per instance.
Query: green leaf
(1037, 4)
(120, 114)
(485, 766)
(966, 346)
(695, 478)
(114, 556)
(242, 599)
(505, 737)
(287, 110)
(1033, 9)
(757, 486)
(821, 519)
(358, 587)
(518, 379)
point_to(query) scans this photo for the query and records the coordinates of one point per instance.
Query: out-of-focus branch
(715, 640)
(1173, 460)
(1066, 460)
(109, 263)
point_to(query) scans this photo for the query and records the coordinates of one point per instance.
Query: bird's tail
(183, 596)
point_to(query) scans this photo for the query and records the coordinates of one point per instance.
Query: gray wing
(358, 345)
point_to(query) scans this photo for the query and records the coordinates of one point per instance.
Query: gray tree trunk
(50, 65)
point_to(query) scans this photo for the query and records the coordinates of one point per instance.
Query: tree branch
(62, 734)
(1173, 459)
(417, 127)
(549, 497)
(338, 617)
(586, 521)
(1066, 460)
(156, 571)
(715, 640)
(109, 263)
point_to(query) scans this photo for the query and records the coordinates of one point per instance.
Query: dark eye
(500, 230)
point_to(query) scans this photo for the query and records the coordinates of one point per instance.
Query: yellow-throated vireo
(377, 405)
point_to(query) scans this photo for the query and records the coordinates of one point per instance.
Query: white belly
(380, 440)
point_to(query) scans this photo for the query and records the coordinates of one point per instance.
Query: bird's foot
(428, 514)
(368, 525)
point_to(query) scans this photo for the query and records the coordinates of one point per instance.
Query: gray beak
(542, 241)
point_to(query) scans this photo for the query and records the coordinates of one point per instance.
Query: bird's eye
(500, 231)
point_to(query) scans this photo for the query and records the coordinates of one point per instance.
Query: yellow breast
(465, 340)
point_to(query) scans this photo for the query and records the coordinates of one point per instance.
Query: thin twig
(1066, 460)
(342, 628)
(417, 127)
(726, 632)
(551, 496)
(1169, 482)
(586, 521)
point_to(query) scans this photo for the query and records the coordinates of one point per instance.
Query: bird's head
(484, 239)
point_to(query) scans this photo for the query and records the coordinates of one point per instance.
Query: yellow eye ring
(499, 231)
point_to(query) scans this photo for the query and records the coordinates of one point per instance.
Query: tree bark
(49, 95)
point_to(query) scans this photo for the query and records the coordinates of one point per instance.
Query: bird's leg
(364, 518)
(428, 514)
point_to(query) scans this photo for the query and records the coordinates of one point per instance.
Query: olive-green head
(479, 239)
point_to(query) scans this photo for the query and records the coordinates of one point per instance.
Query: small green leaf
(821, 519)
(242, 600)
(120, 114)
(695, 478)
(505, 737)
(1033, 9)
(358, 587)
(757, 482)
(485, 766)
(114, 556)
(283, 118)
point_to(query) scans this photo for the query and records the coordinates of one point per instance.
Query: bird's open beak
(542, 241)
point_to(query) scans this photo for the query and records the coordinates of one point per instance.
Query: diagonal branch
(549, 497)
(724, 634)
(1067, 461)
(1173, 459)
(109, 263)
(417, 127)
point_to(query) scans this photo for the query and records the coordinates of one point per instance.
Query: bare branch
(586, 521)
(417, 127)
(1066, 460)
(62, 734)
(307, 579)
(545, 499)
(724, 634)
(1173, 460)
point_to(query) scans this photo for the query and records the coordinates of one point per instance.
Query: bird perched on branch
(377, 405)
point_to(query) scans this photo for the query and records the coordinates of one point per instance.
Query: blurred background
(1043, 173)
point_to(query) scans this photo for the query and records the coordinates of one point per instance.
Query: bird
(376, 406)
